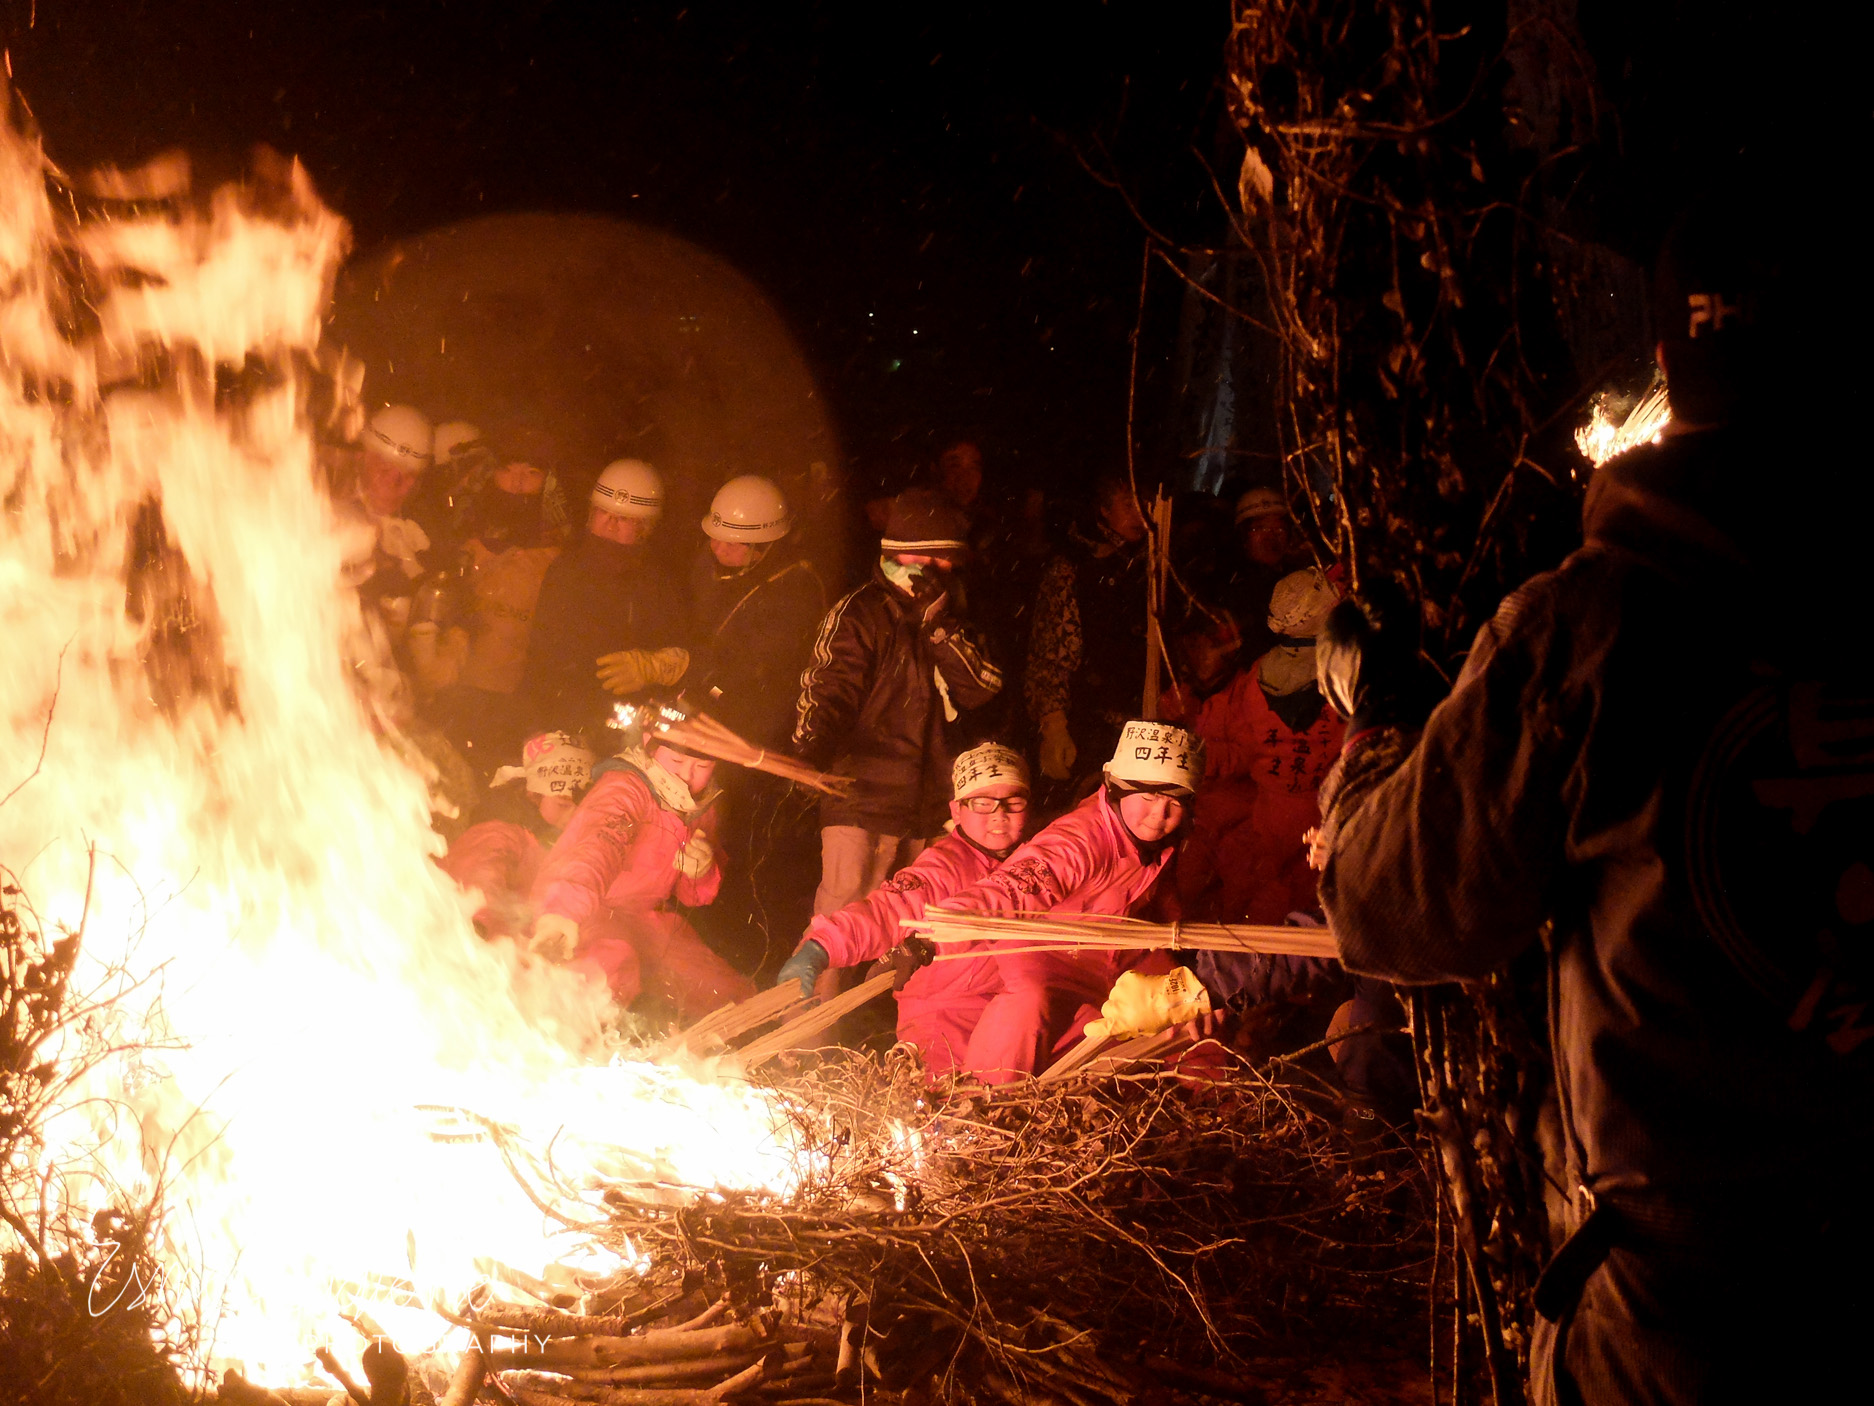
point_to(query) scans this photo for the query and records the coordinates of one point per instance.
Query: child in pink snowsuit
(641, 838)
(941, 1002)
(501, 858)
(1105, 856)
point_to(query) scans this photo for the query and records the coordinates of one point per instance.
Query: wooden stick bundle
(698, 732)
(812, 1022)
(726, 1023)
(1050, 933)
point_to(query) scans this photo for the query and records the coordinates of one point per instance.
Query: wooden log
(387, 1372)
(704, 1319)
(341, 1376)
(700, 1369)
(658, 1345)
(586, 1393)
(815, 1021)
(466, 1384)
(1078, 1056)
(238, 1391)
(554, 1323)
(1144, 1049)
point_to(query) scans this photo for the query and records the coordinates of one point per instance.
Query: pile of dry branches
(85, 1318)
(1129, 1238)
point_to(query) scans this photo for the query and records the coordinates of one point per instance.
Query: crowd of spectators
(981, 685)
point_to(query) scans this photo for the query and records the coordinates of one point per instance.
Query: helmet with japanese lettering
(1153, 756)
(1301, 602)
(991, 764)
(552, 764)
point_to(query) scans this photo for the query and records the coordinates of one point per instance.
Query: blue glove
(808, 961)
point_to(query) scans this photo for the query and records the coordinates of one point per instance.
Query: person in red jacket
(1108, 855)
(1269, 740)
(941, 1004)
(641, 839)
(499, 857)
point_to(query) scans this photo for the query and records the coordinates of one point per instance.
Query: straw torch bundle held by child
(696, 731)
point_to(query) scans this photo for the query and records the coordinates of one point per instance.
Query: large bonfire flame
(224, 807)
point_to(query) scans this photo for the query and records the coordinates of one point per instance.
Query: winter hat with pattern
(925, 523)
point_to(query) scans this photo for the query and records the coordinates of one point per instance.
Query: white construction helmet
(401, 433)
(991, 764)
(1300, 603)
(552, 764)
(452, 437)
(1260, 502)
(748, 509)
(629, 488)
(1157, 757)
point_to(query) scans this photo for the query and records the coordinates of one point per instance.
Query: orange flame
(221, 732)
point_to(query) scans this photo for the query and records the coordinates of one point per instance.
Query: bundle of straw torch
(696, 731)
(1049, 933)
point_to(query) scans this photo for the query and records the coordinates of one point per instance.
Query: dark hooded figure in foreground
(1659, 762)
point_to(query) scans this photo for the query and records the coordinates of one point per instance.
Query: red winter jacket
(1085, 862)
(1260, 784)
(501, 859)
(868, 929)
(619, 852)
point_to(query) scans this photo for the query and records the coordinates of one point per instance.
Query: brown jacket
(1655, 764)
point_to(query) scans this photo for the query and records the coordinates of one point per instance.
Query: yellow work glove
(554, 937)
(669, 664)
(1057, 747)
(696, 858)
(627, 671)
(1145, 1005)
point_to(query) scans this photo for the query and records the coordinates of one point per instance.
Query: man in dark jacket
(755, 603)
(607, 619)
(1659, 762)
(892, 665)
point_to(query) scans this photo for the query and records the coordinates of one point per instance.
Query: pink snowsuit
(866, 930)
(614, 873)
(1085, 862)
(501, 859)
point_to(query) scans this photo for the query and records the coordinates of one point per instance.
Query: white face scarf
(669, 790)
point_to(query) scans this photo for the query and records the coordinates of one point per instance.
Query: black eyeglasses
(989, 805)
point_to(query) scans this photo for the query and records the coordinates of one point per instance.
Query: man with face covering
(1108, 856)
(893, 665)
(942, 1003)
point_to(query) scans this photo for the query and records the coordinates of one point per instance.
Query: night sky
(910, 184)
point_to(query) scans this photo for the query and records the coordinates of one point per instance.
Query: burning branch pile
(1084, 1241)
(85, 1314)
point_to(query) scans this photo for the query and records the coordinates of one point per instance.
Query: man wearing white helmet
(1268, 539)
(500, 855)
(755, 604)
(940, 1004)
(394, 451)
(1109, 855)
(1270, 740)
(607, 620)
